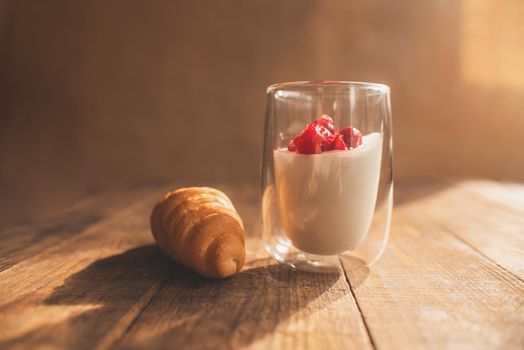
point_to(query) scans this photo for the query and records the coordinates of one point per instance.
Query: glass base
(285, 253)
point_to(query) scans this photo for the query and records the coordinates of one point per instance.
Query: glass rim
(341, 83)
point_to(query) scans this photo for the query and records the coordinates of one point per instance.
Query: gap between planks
(126, 322)
(364, 321)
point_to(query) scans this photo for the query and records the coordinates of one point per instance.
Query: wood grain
(24, 241)
(451, 277)
(266, 306)
(70, 294)
(504, 195)
(433, 291)
(488, 228)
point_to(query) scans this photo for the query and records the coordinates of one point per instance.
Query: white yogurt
(326, 201)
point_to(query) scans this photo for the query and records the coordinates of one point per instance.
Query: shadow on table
(411, 190)
(356, 270)
(95, 298)
(189, 311)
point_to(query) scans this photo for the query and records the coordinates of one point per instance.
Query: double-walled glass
(318, 209)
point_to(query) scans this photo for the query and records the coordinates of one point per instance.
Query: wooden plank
(83, 292)
(504, 194)
(24, 241)
(265, 306)
(492, 231)
(105, 285)
(432, 291)
(69, 295)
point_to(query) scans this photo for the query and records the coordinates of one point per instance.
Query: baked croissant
(200, 228)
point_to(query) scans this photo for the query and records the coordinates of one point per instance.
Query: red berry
(326, 121)
(328, 143)
(352, 137)
(332, 143)
(339, 144)
(310, 140)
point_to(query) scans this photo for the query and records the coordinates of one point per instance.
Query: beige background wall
(107, 94)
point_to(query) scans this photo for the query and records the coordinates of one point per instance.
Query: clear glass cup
(319, 209)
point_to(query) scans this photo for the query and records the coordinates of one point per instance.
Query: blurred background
(102, 95)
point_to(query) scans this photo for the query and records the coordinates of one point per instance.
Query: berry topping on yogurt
(321, 136)
(352, 137)
(326, 121)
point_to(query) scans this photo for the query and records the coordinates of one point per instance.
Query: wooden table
(91, 277)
